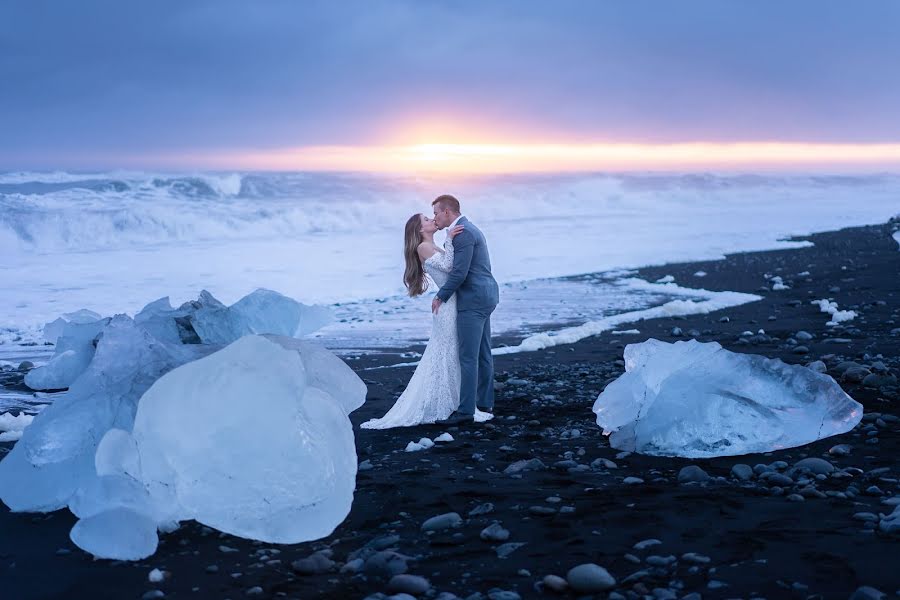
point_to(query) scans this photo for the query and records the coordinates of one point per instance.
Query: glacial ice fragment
(262, 311)
(699, 400)
(194, 427)
(74, 352)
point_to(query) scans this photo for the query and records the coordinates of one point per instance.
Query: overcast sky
(106, 78)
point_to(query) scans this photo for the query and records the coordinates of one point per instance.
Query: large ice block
(699, 400)
(248, 445)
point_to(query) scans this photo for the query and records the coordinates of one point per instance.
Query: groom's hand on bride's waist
(435, 305)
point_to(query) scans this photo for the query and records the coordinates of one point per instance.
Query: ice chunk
(263, 311)
(135, 535)
(74, 352)
(326, 371)
(56, 454)
(699, 400)
(194, 427)
(54, 329)
(12, 426)
(837, 316)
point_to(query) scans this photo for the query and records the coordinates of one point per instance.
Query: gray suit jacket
(471, 277)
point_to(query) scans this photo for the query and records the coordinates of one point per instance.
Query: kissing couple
(454, 381)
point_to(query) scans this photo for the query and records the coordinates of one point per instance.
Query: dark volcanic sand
(759, 543)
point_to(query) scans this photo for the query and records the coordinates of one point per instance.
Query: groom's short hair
(446, 202)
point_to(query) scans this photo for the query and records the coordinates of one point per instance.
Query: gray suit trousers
(473, 327)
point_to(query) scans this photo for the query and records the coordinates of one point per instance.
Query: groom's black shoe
(458, 418)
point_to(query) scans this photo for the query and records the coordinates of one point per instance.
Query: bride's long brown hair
(414, 275)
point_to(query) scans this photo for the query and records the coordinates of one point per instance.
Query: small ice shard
(135, 535)
(666, 279)
(74, 352)
(837, 316)
(194, 426)
(444, 437)
(426, 443)
(54, 329)
(413, 447)
(12, 426)
(699, 400)
(778, 284)
(262, 311)
(700, 274)
(626, 332)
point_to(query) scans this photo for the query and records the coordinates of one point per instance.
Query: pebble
(155, 576)
(661, 561)
(503, 595)
(840, 450)
(26, 365)
(742, 471)
(692, 474)
(803, 336)
(590, 578)
(494, 533)
(865, 516)
(604, 463)
(632, 481)
(482, 509)
(313, 564)
(365, 465)
(868, 593)
(644, 544)
(817, 466)
(795, 498)
(408, 584)
(254, 591)
(212, 569)
(533, 464)
(555, 583)
(386, 563)
(695, 558)
(440, 522)
(505, 550)
(676, 332)
(153, 595)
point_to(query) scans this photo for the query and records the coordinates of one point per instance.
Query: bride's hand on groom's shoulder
(456, 231)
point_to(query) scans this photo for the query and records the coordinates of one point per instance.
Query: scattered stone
(803, 336)
(800, 350)
(644, 544)
(533, 464)
(313, 564)
(254, 591)
(676, 332)
(817, 466)
(692, 474)
(840, 450)
(365, 465)
(742, 472)
(26, 365)
(482, 509)
(555, 583)
(386, 563)
(604, 463)
(408, 584)
(155, 576)
(153, 595)
(632, 481)
(590, 578)
(795, 498)
(661, 561)
(494, 533)
(868, 593)
(496, 594)
(505, 550)
(695, 558)
(855, 374)
(445, 521)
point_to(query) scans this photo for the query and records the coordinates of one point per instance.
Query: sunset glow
(521, 158)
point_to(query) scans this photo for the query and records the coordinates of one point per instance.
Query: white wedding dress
(433, 391)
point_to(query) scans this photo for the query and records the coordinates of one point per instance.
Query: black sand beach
(723, 538)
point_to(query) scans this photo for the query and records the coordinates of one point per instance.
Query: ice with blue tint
(187, 455)
(699, 400)
(155, 426)
(74, 351)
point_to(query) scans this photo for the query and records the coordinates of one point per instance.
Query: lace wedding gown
(433, 391)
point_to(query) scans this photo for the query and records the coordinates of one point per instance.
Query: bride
(433, 392)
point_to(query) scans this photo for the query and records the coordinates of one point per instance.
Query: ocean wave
(59, 211)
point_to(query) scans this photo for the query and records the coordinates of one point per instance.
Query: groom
(477, 294)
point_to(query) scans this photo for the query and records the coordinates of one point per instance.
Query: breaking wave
(62, 211)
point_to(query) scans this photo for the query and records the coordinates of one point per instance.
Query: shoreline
(809, 548)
